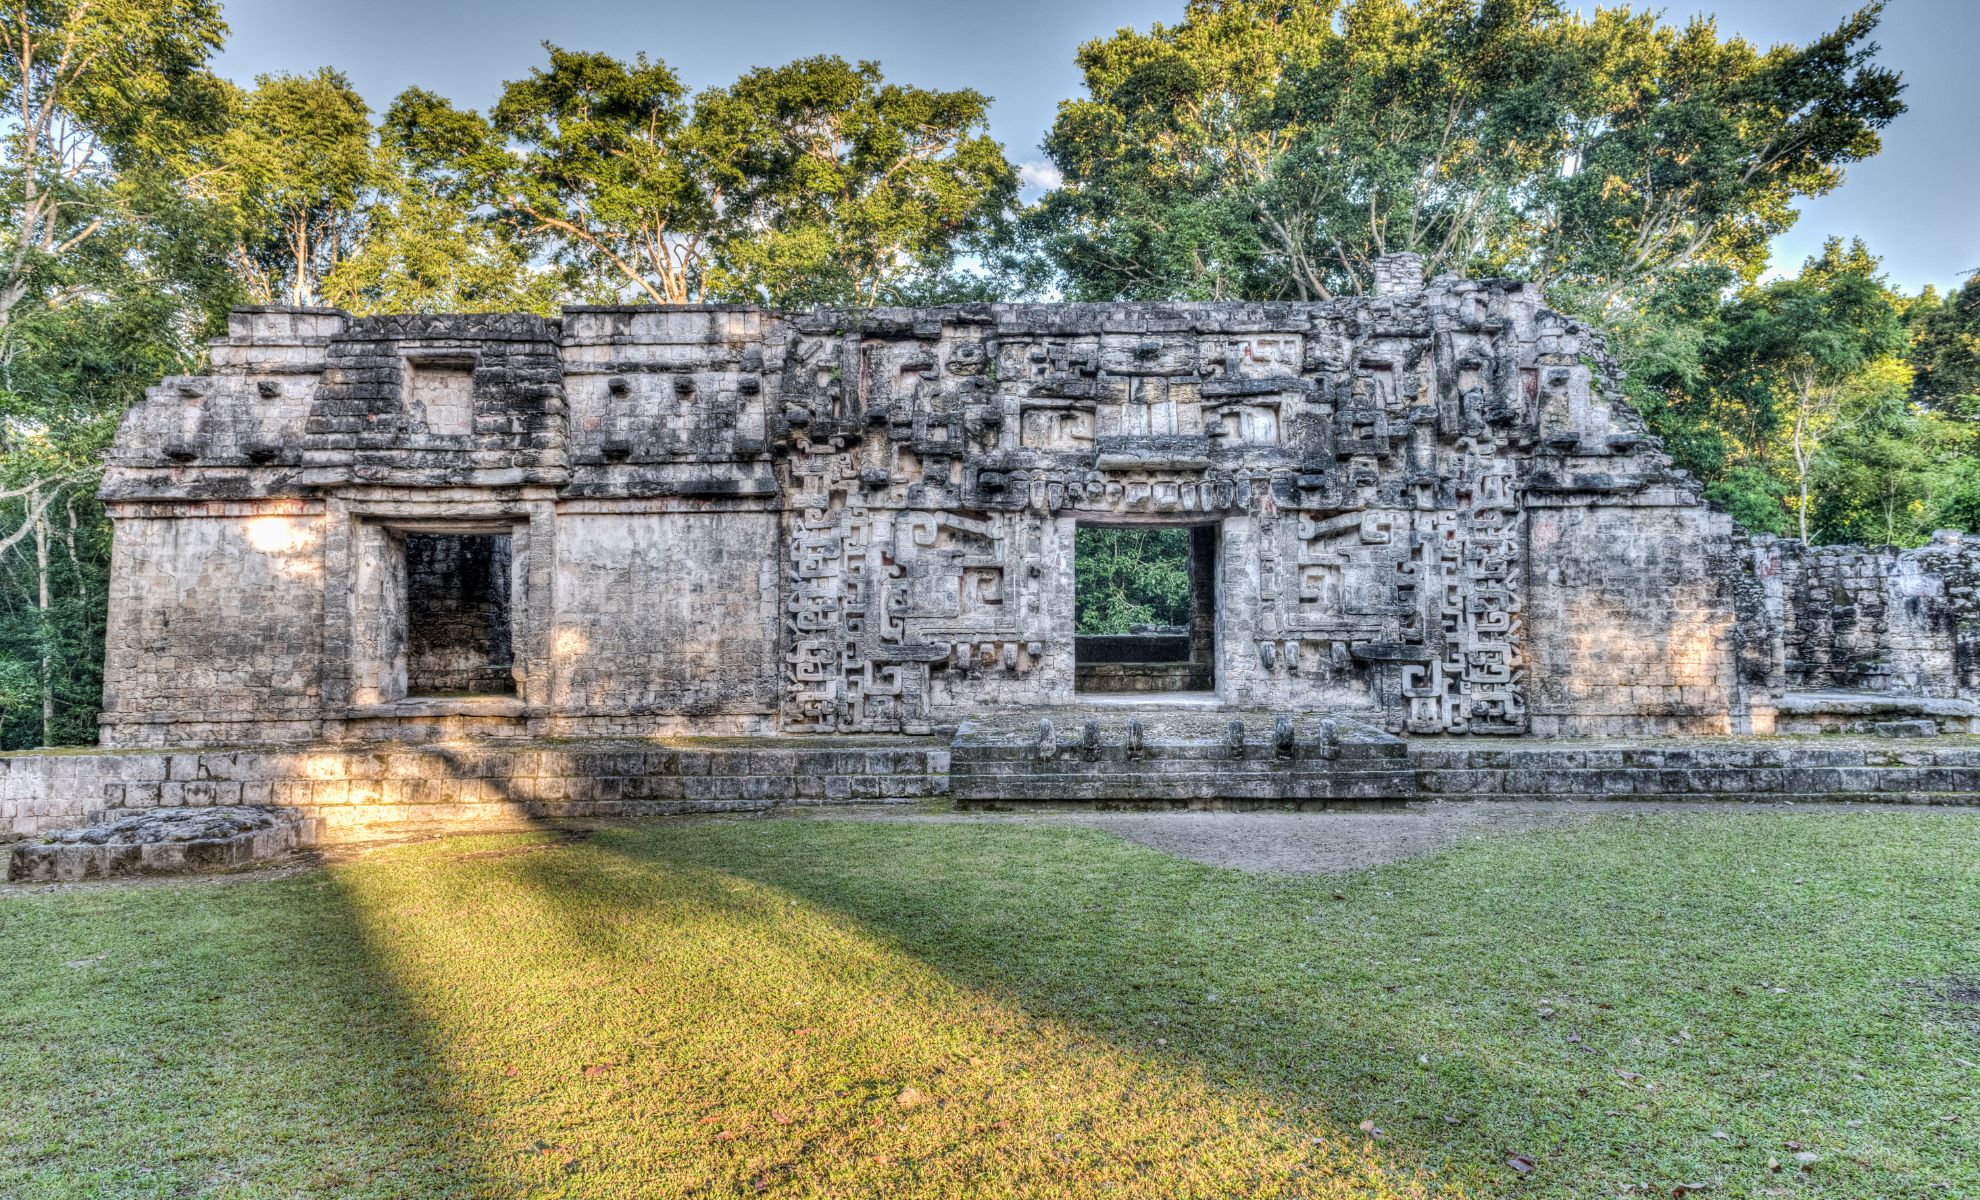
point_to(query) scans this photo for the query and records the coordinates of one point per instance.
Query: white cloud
(1039, 174)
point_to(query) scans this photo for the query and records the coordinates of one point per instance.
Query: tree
(605, 173)
(1270, 148)
(298, 167)
(431, 244)
(110, 273)
(1128, 577)
(815, 182)
(1946, 351)
(1804, 355)
(102, 95)
(840, 187)
(1698, 154)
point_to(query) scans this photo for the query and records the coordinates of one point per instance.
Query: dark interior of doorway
(459, 638)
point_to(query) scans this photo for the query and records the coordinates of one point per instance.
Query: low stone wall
(1884, 770)
(159, 841)
(354, 793)
(346, 794)
(1899, 622)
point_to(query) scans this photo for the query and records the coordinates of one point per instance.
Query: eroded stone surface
(156, 841)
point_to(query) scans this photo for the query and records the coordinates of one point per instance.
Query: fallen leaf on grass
(1523, 1163)
(1368, 1127)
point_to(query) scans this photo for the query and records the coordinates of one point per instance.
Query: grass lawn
(844, 1008)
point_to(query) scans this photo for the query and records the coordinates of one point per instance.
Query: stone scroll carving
(1364, 458)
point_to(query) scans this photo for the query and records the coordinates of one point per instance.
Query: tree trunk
(47, 663)
(1801, 462)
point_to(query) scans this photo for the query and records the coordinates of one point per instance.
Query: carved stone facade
(1432, 513)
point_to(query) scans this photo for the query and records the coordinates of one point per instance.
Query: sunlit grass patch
(857, 1008)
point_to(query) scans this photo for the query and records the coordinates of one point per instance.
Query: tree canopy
(1276, 148)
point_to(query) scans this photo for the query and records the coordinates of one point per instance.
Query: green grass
(851, 1008)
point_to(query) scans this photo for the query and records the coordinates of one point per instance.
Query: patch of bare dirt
(1325, 843)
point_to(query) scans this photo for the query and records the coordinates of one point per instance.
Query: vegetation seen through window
(1128, 577)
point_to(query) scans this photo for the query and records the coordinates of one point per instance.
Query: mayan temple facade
(1424, 516)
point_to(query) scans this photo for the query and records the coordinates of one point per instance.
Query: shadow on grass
(863, 1008)
(1055, 987)
(1617, 1031)
(665, 1011)
(215, 1038)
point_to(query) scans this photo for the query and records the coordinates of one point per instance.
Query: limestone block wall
(1906, 622)
(667, 613)
(216, 624)
(344, 794)
(1632, 620)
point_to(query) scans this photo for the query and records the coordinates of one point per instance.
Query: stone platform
(1841, 710)
(356, 793)
(1182, 759)
(1207, 757)
(158, 841)
(1176, 757)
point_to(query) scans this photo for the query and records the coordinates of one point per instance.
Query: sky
(1917, 204)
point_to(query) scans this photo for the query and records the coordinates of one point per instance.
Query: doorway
(1145, 601)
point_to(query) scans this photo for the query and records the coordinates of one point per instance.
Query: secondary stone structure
(1426, 514)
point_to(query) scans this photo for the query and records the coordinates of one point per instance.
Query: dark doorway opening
(459, 638)
(1146, 602)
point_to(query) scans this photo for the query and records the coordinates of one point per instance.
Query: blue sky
(1917, 204)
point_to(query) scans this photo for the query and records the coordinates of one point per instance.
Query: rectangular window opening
(1146, 608)
(459, 636)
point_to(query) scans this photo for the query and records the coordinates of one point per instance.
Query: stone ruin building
(393, 567)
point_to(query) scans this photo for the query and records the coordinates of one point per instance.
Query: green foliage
(1799, 365)
(812, 183)
(431, 244)
(1800, 398)
(1947, 351)
(1127, 577)
(112, 268)
(1754, 497)
(603, 173)
(843, 186)
(1262, 148)
(297, 168)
